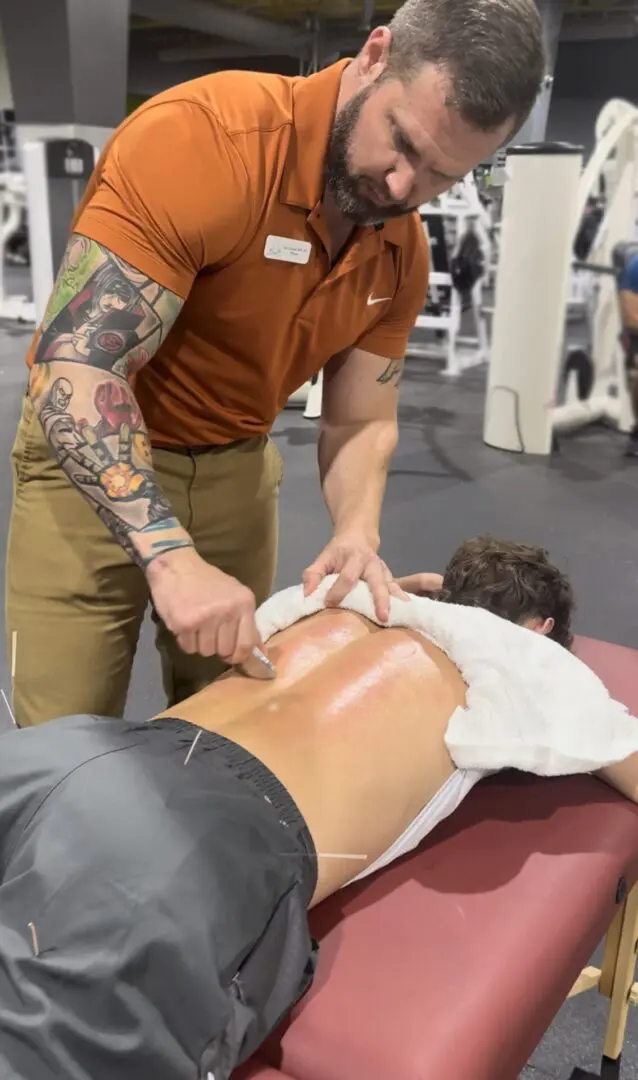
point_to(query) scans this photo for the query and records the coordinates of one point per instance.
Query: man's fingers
(395, 590)
(226, 640)
(207, 642)
(188, 642)
(386, 571)
(312, 578)
(345, 583)
(394, 584)
(247, 639)
(379, 586)
(359, 565)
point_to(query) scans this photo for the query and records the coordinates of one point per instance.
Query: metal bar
(223, 51)
(367, 14)
(209, 18)
(596, 268)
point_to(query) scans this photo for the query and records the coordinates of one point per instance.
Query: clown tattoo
(105, 320)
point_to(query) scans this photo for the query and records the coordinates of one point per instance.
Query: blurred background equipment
(14, 245)
(459, 230)
(556, 223)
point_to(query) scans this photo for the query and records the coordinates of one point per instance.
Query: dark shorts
(154, 883)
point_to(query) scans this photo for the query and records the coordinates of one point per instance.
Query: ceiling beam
(597, 29)
(280, 39)
(225, 50)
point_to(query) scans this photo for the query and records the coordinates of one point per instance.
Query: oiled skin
(353, 727)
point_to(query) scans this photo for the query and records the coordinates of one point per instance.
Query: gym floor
(445, 486)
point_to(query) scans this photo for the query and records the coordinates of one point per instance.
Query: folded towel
(530, 704)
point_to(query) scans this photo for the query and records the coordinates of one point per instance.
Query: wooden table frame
(616, 981)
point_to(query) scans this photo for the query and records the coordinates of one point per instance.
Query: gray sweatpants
(153, 898)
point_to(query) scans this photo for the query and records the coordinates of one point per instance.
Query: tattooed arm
(104, 321)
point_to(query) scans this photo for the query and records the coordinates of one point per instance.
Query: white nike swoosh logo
(377, 299)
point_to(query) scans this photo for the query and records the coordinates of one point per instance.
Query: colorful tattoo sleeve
(105, 320)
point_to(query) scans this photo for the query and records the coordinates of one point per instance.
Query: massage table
(452, 963)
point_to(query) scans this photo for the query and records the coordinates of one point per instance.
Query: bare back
(353, 727)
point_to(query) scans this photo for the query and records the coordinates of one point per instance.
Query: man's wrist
(171, 561)
(359, 532)
(161, 546)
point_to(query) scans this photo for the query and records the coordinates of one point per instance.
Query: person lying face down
(155, 877)
(515, 581)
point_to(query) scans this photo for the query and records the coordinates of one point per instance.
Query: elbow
(629, 310)
(40, 372)
(627, 786)
(623, 777)
(41, 379)
(384, 438)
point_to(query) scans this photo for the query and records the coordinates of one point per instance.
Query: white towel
(530, 704)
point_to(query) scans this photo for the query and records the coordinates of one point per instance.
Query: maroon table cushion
(616, 665)
(254, 1070)
(452, 962)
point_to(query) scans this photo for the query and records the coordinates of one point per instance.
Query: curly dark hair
(515, 581)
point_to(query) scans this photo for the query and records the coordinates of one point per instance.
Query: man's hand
(209, 612)
(354, 559)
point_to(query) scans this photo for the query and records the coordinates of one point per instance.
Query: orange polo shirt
(199, 189)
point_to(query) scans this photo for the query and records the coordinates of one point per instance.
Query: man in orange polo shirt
(240, 233)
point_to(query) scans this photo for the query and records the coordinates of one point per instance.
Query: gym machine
(595, 378)
(458, 229)
(13, 240)
(545, 197)
(56, 172)
(532, 286)
(308, 397)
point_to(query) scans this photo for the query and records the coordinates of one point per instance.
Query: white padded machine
(14, 308)
(532, 288)
(545, 195)
(56, 172)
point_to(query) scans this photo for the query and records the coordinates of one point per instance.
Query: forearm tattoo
(392, 373)
(103, 323)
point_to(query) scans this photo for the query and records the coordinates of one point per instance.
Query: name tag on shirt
(285, 249)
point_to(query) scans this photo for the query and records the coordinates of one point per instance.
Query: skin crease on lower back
(353, 726)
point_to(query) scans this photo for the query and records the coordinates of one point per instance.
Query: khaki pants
(74, 600)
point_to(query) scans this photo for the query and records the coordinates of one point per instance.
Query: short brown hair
(492, 50)
(515, 581)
